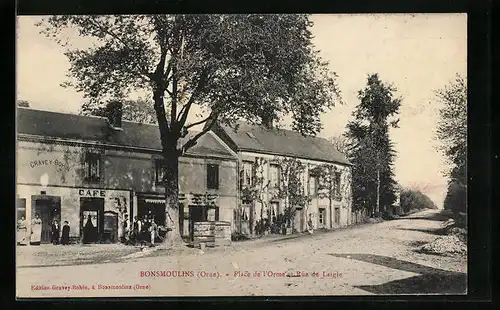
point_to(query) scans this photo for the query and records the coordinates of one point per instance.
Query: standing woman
(36, 230)
(54, 232)
(65, 234)
(21, 231)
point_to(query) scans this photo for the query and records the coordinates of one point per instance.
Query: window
(274, 176)
(212, 176)
(92, 167)
(337, 183)
(321, 217)
(313, 185)
(159, 171)
(247, 173)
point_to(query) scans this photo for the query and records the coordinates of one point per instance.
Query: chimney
(267, 121)
(114, 114)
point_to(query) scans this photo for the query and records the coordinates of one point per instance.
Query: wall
(344, 202)
(59, 165)
(70, 202)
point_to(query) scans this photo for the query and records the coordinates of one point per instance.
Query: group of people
(144, 230)
(34, 235)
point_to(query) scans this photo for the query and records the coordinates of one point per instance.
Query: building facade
(261, 151)
(83, 168)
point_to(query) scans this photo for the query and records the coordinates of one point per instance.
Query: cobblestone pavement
(369, 259)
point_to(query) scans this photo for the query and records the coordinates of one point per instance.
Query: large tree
(230, 66)
(452, 132)
(371, 150)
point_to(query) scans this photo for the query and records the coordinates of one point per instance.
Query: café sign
(91, 192)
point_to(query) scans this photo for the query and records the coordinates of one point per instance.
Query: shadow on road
(443, 215)
(430, 281)
(438, 231)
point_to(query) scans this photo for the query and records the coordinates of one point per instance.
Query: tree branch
(143, 71)
(197, 123)
(192, 142)
(185, 109)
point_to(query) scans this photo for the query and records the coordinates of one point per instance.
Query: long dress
(65, 235)
(21, 232)
(36, 231)
(88, 232)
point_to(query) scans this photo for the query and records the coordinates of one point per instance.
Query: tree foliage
(452, 133)
(291, 188)
(415, 200)
(341, 143)
(370, 149)
(140, 111)
(241, 66)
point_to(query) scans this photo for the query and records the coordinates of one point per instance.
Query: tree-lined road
(368, 259)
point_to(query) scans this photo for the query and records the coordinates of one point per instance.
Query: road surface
(379, 258)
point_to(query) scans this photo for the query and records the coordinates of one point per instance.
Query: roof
(256, 138)
(96, 129)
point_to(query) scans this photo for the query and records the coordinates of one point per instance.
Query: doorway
(299, 220)
(155, 209)
(49, 209)
(91, 219)
(337, 216)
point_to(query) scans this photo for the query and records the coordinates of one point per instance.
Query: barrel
(204, 232)
(222, 233)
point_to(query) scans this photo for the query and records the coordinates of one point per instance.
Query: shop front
(92, 214)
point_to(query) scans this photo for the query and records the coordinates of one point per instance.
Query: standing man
(126, 229)
(54, 232)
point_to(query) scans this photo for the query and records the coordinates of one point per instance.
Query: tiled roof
(256, 138)
(96, 129)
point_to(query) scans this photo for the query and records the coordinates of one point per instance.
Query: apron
(21, 235)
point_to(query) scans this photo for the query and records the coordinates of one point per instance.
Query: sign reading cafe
(91, 193)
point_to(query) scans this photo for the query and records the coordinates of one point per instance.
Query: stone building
(74, 167)
(265, 146)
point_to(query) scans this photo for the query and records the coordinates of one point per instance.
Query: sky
(417, 53)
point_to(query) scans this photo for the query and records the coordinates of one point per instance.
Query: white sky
(418, 53)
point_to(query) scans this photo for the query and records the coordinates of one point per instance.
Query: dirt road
(369, 259)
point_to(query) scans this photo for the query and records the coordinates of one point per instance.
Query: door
(299, 220)
(110, 227)
(49, 209)
(92, 219)
(337, 216)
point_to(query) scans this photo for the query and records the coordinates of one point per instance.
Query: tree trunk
(171, 183)
(378, 193)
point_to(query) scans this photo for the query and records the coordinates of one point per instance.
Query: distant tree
(415, 200)
(239, 66)
(452, 133)
(341, 143)
(140, 111)
(370, 149)
(23, 103)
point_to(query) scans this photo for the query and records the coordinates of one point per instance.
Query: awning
(162, 201)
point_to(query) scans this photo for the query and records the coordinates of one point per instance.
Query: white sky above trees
(418, 53)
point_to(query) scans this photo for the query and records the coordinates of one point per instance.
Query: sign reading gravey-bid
(92, 193)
